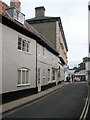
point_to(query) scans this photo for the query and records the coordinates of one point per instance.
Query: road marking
(85, 110)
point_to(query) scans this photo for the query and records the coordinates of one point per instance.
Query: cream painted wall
(60, 43)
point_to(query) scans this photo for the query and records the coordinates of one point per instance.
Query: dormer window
(16, 14)
(20, 17)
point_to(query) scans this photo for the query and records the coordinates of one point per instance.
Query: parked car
(76, 79)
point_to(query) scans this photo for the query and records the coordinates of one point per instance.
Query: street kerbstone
(9, 106)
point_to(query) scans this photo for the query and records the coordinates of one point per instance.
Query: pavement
(23, 101)
(62, 103)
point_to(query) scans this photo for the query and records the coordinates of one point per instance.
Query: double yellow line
(85, 110)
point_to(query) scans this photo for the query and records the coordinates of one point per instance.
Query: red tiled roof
(3, 12)
(3, 6)
(26, 25)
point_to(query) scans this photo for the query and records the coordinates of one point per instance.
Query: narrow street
(66, 102)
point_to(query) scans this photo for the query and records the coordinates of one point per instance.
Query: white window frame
(26, 48)
(21, 80)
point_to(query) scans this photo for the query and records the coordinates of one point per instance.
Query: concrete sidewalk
(17, 103)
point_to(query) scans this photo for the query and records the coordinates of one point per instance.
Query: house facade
(52, 29)
(81, 71)
(29, 62)
(47, 68)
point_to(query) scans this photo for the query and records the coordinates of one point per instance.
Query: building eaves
(42, 19)
(28, 32)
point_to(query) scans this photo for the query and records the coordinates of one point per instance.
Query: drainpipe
(36, 68)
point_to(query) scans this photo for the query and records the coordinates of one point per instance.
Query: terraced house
(29, 62)
(52, 29)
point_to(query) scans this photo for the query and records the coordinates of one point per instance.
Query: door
(39, 80)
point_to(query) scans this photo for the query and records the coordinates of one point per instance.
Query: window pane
(23, 76)
(48, 74)
(19, 43)
(28, 47)
(19, 47)
(19, 76)
(27, 76)
(23, 45)
(53, 74)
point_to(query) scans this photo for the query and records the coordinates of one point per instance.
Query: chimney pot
(39, 11)
(16, 4)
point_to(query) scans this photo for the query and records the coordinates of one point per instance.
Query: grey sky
(74, 16)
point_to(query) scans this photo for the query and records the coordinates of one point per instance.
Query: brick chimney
(16, 4)
(39, 11)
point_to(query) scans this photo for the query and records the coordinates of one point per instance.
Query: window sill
(22, 85)
(25, 52)
(39, 54)
(53, 81)
(49, 82)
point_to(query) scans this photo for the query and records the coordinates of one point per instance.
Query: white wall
(46, 62)
(14, 59)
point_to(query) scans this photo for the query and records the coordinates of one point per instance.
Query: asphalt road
(66, 102)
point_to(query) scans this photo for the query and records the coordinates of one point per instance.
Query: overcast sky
(74, 16)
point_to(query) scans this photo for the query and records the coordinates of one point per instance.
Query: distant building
(72, 74)
(52, 29)
(81, 70)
